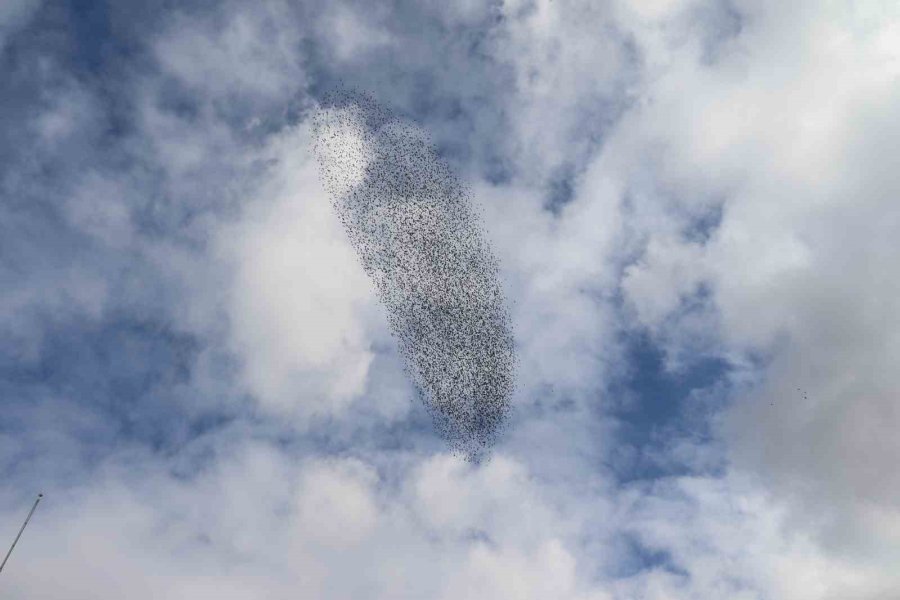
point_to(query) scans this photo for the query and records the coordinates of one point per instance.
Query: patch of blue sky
(702, 226)
(658, 407)
(126, 370)
(636, 557)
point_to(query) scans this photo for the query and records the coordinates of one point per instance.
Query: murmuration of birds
(417, 236)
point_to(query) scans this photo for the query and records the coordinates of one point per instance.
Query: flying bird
(411, 223)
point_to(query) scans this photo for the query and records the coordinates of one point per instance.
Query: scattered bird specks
(411, 223)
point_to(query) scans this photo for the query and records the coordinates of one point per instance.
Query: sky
(693, 208)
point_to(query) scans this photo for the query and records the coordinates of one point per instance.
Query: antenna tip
(40, 495)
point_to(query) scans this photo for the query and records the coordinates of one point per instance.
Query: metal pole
(28, 518)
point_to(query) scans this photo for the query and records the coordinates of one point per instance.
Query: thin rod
(28, 518)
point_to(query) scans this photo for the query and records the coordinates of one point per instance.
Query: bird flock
(412, 226)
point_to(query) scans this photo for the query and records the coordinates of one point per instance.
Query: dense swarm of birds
(411, 223)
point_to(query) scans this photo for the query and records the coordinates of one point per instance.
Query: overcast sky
(694, 208)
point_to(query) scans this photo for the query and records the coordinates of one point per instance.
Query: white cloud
(353, 35)
(567, 67)
(788, 127)
(267, 526)
(253, 54)
(301, 306)
(336, 507)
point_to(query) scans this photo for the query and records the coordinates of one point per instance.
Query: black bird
(411, 223)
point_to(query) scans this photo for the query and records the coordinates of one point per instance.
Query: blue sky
(691, 202)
